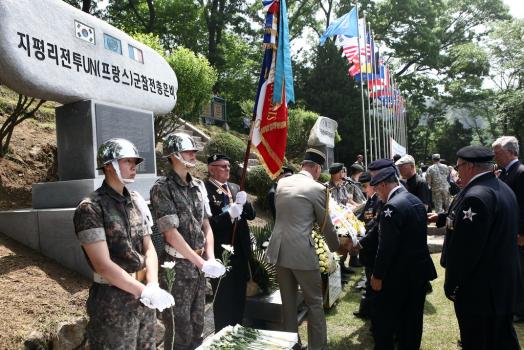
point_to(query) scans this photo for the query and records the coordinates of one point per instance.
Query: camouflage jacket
(437, 177)
(108, 216)
(339, 193)
(180, 205)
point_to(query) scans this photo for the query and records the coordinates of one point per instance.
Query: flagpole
(390, 113)
(362, 95)
(373, 73)
(381, 104)
(372, 154)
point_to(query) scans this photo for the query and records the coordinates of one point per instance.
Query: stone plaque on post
(322, 137)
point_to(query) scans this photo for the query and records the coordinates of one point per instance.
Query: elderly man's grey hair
(509, 143)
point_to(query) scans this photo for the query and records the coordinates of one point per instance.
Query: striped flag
(275, 90)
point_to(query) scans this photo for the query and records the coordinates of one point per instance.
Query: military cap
(405, 159)
(335, 168)
(315, 156)
(215, 157)
(475, 154)
(435, 156)
(382, 175)
(365, 177)
(380, 164)
(356, 168)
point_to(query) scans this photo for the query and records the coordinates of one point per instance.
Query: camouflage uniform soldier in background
(178, 205)
(437, 180)
(113, 225)
(338, 191)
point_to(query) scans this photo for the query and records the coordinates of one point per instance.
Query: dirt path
(36, 294)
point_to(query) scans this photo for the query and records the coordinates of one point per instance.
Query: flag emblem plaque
(85, 32)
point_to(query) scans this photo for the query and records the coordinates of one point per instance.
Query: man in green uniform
(178, 205)
(113, 226)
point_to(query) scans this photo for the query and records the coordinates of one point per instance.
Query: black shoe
(300, 347)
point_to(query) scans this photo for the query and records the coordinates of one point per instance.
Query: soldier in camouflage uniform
(178, 206)
(437, 179)
(338, 191)
(113, 226)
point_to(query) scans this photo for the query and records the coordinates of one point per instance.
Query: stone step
(435, 243)
(436, 231)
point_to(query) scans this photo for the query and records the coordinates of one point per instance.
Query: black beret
(356, 168)
(382, 175)
(380, 164)
(315, 156)
(475, 154)
(214, 157)
(365, 177)
(335, 168)
(286, 170)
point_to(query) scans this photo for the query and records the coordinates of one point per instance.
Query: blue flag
(346, 25)
(283, 71)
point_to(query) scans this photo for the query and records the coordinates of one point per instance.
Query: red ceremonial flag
(270, 129)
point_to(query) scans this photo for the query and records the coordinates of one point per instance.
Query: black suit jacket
(417, 186)
(403, 256)
(514, 178)
(480, 250)
(370, 216)
(222, 225)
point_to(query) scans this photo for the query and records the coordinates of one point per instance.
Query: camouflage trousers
(118, 321)
(440, 199)
(189, 294)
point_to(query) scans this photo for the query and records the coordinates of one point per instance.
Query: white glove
(156, 298)
(241, 198)
(213, 269)
(235, 210)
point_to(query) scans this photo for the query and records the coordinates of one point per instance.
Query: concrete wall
(49, 232)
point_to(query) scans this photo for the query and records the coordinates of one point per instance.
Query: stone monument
(322, 137)
(110, 85)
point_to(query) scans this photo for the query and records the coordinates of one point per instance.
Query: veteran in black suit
(227, 204)
(403, 265)
(368, 244)
(480, 254)
(506, 151)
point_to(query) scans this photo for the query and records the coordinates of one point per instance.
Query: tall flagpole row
(362, 96)
(371, 141)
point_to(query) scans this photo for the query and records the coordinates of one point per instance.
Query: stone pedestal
(265, 312)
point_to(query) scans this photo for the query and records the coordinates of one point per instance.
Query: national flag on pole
(346, 25)
(275, 90)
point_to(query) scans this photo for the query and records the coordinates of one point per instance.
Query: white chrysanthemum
(229, 248)
(168, 265)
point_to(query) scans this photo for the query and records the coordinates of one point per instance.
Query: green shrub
(231, 146)
(258, 183)
(324, 177)
(300, 123)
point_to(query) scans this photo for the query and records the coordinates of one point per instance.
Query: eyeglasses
(222, 166)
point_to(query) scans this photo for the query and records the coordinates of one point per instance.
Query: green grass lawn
(345, 331)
